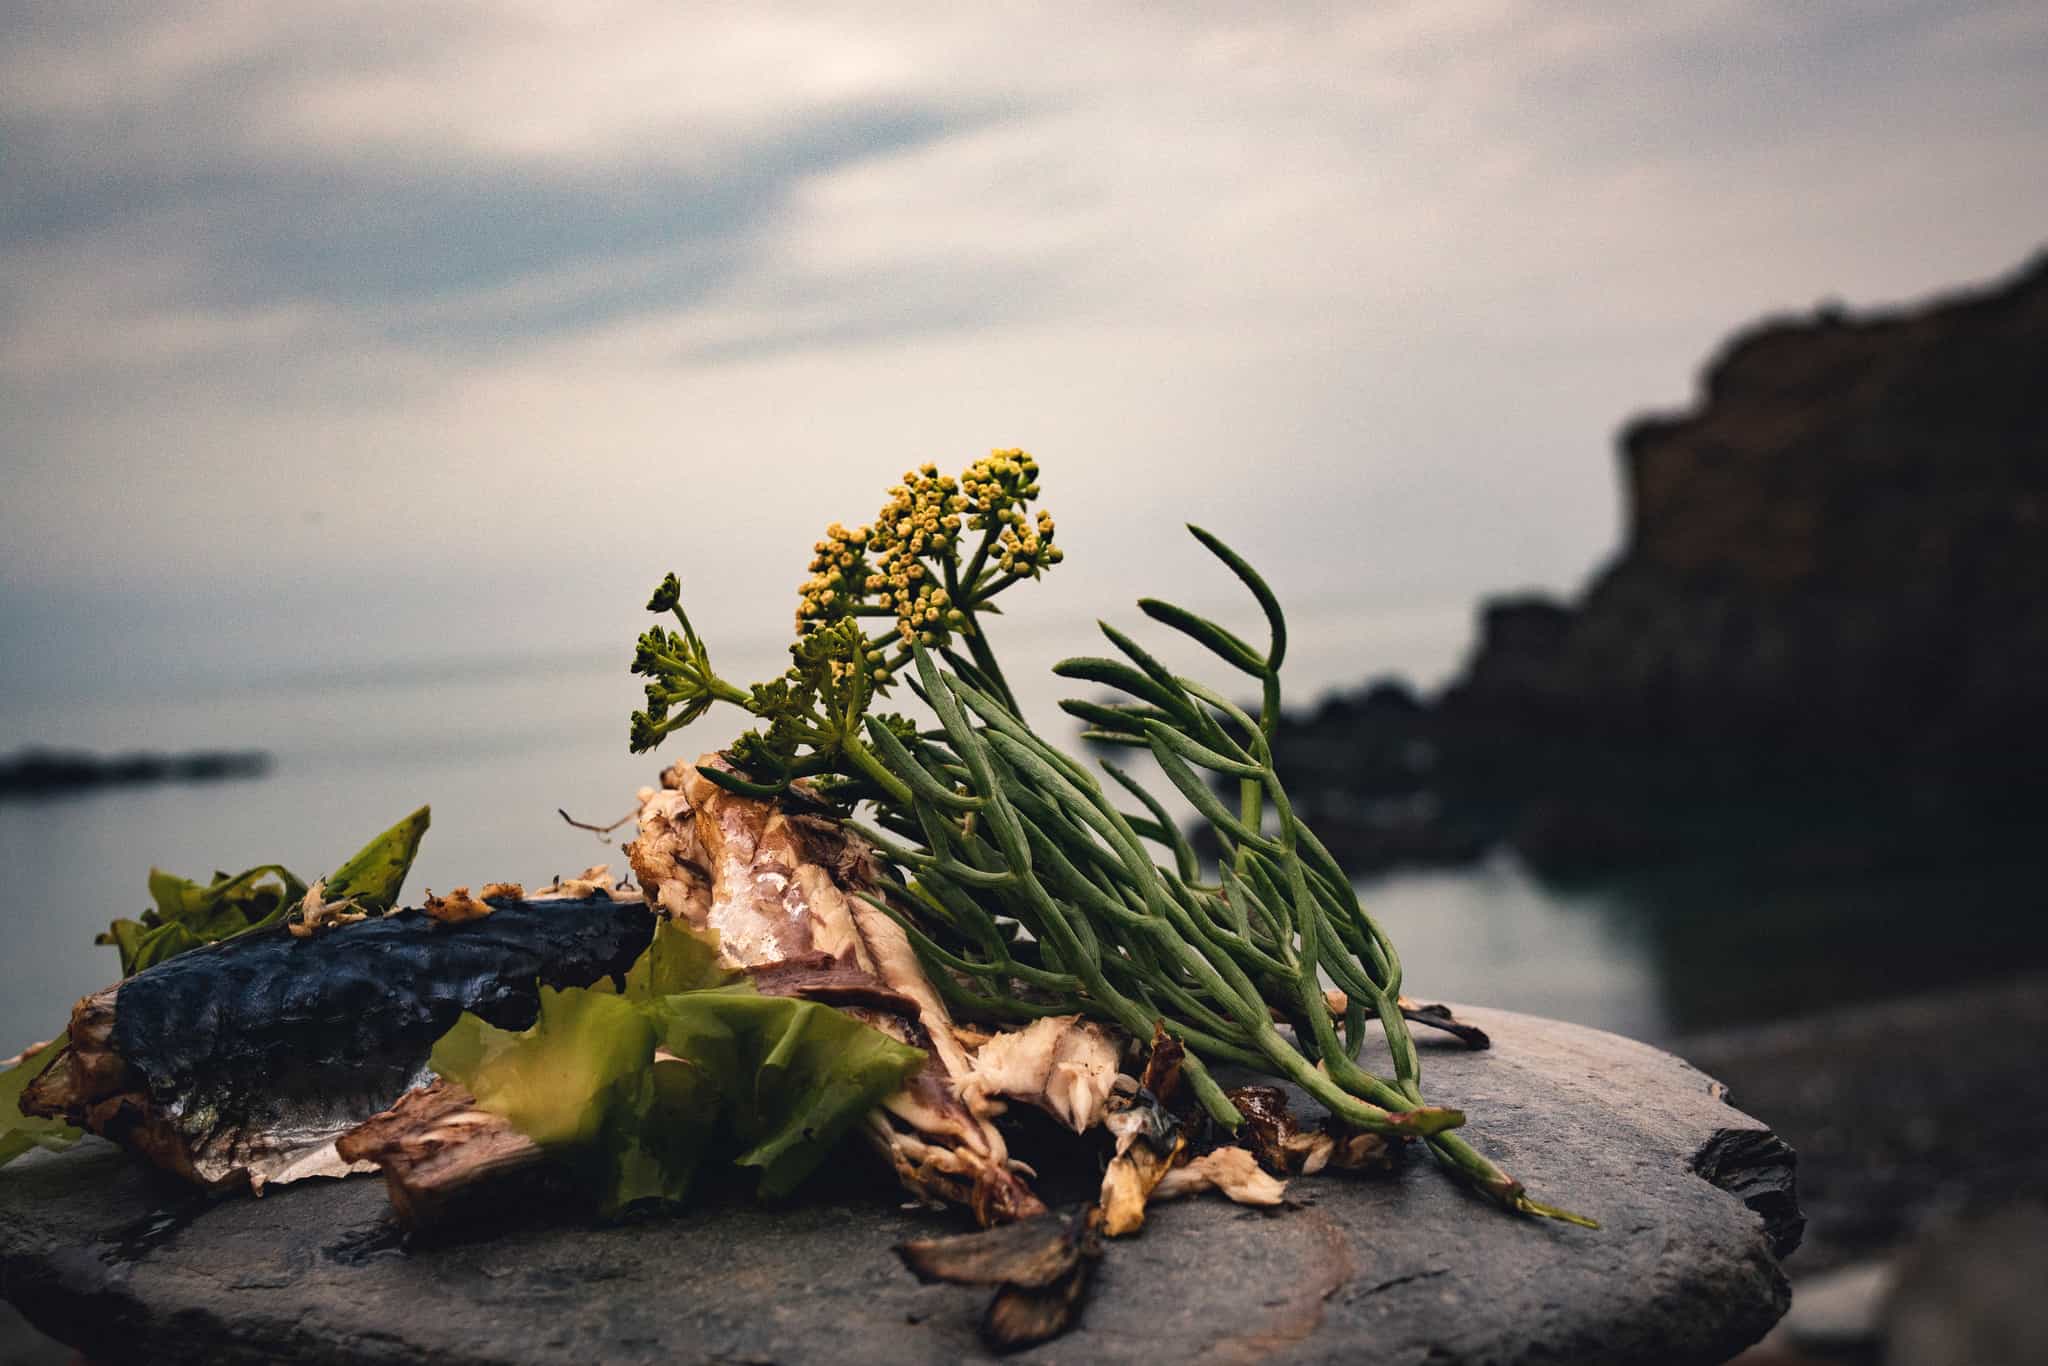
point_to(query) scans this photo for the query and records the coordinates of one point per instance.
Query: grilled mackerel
(244, 1061)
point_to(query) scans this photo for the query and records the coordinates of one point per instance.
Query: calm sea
(497, 748)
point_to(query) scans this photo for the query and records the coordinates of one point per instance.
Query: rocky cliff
(1826, 632)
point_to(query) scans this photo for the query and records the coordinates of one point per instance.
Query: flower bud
(667, 595)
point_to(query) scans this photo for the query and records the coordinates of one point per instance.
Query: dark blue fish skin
(271, 1034)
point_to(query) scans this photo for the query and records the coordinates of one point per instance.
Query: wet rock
(1835, 1315)
(1968, 1292)
(44, 773)
(1408, 1267)
(1881, 1160)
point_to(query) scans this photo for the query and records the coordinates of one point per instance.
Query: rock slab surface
(1695, 1200)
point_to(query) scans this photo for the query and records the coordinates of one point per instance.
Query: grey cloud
(395, 241)
(936, 298)
(1418, 262)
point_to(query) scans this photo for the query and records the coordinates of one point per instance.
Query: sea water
(500, 746)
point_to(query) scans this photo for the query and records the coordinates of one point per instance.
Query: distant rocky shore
(1825, 639)
(42, 773)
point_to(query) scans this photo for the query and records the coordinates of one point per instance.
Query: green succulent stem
(896, 789)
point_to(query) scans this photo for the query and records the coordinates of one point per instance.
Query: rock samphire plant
(1025, 886)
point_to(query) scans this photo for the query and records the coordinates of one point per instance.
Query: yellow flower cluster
(896, 563)
(993, 492)
(920, 521)
(839, 576)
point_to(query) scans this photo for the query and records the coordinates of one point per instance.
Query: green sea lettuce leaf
(375, 875)
(806, 1074)
(553, 1081)
(636, 1090)
(677, 959)
(20, 1132)
(188, 914)
(665, 1122)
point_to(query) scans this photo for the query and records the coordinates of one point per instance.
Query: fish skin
(245, 1060)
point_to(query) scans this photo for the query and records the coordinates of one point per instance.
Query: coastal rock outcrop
(1825, 634)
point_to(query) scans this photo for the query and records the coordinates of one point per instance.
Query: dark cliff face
(1831, 607)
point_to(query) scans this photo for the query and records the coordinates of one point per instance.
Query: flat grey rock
(1695, 1201)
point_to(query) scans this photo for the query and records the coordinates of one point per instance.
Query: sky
(351, 334)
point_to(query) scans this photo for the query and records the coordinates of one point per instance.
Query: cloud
(565, 166)
(308, 291)
(369, 235)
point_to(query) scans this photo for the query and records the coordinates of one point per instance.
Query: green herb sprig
(911, 565)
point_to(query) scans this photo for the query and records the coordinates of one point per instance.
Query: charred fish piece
(444, 1157)
(245, 1060)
